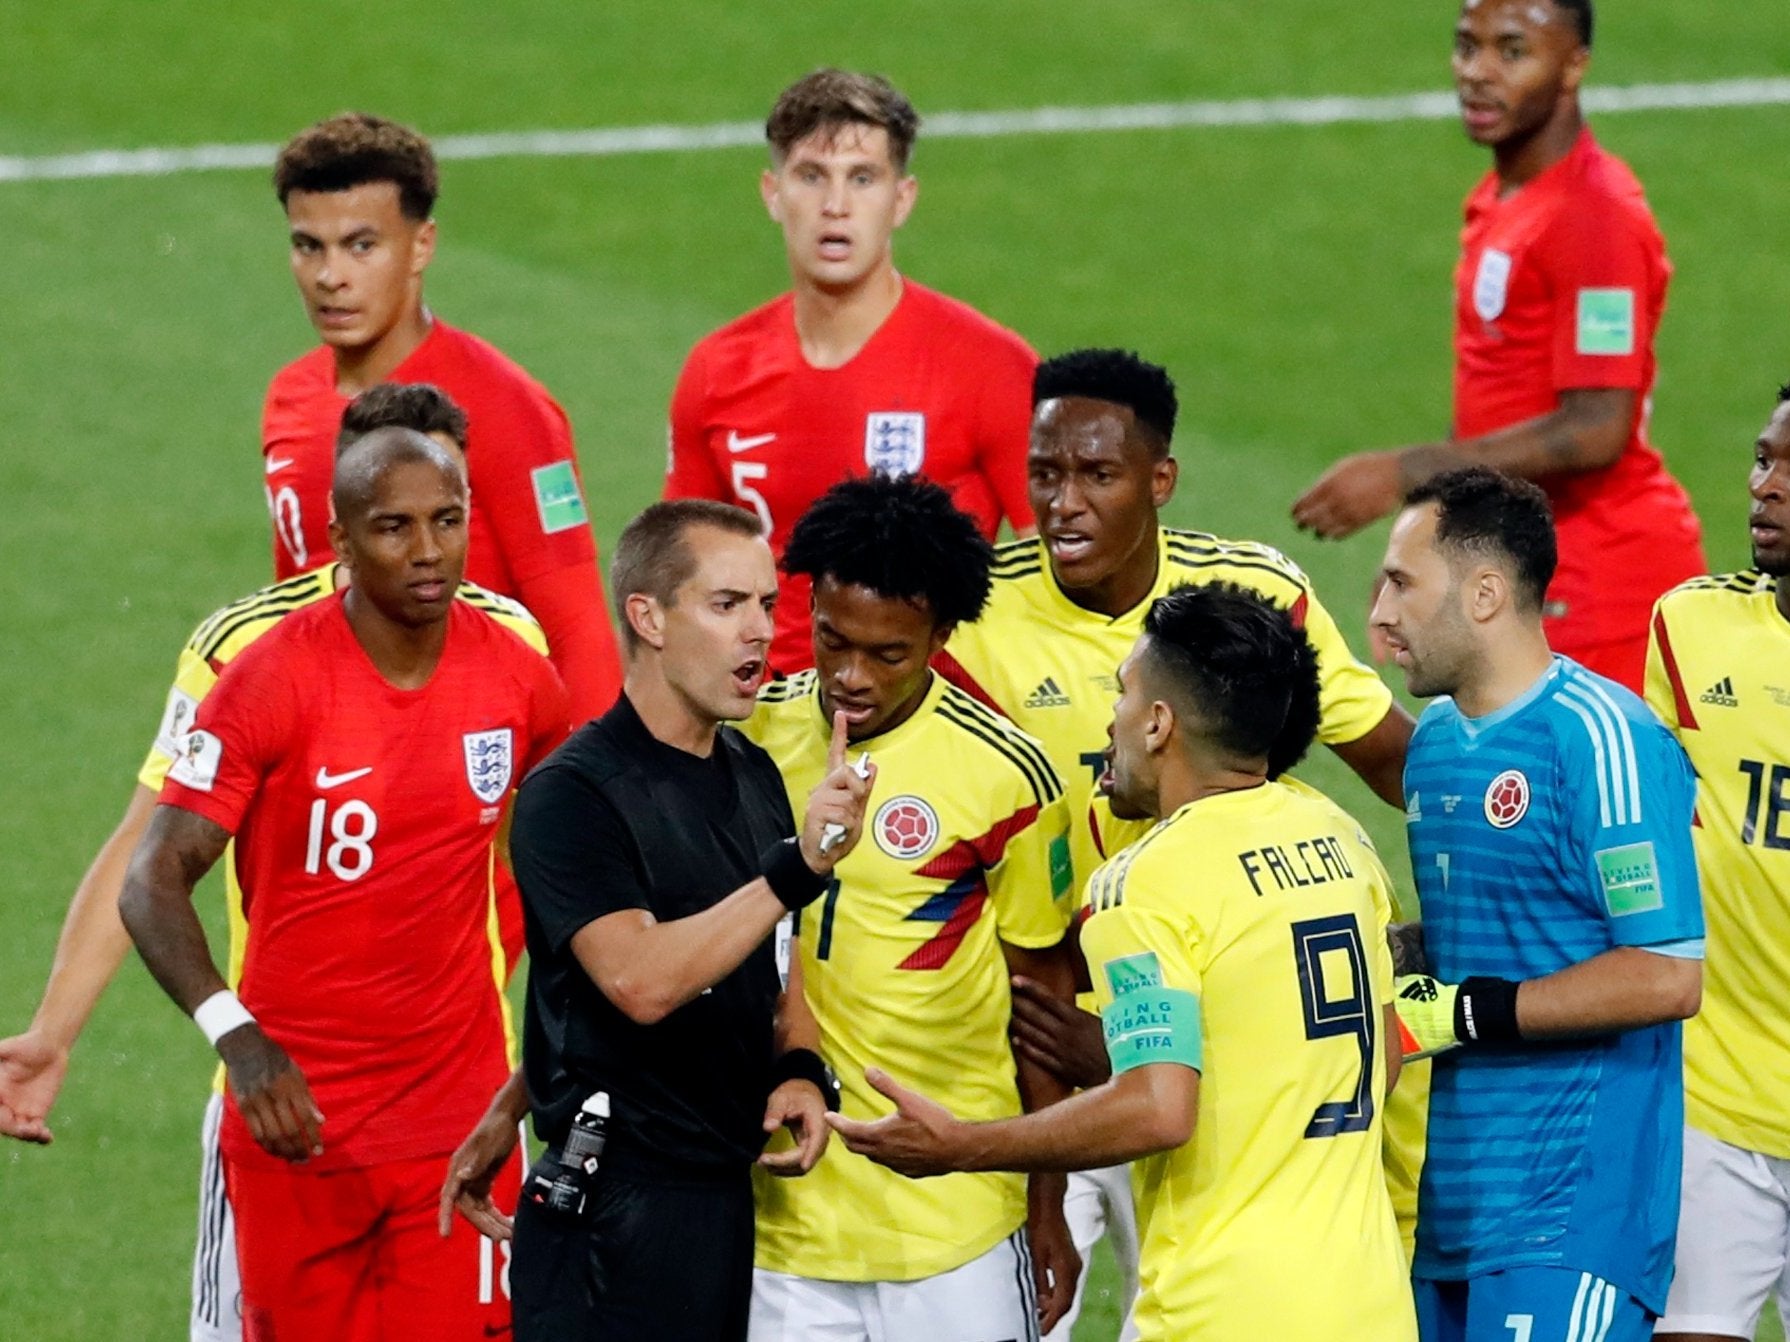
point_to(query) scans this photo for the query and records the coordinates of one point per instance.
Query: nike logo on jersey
(278, 464)
(735, 443)
(326, 780)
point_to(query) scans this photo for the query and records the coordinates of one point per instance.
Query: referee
(656, 855)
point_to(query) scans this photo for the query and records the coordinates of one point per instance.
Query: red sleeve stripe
(1299, 608)
(952, 670)
(1686, 717)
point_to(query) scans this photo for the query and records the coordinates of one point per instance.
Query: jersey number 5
(744, 472)
(1333, 988)
(351, 831)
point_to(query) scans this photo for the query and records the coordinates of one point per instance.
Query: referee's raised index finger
(836, 749)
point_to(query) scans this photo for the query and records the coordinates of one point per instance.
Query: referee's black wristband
(1485, 1012)
(804, 1064)
(792, 880)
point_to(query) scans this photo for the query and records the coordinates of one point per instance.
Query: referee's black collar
(625, 720)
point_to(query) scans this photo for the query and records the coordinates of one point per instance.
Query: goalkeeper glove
(1434, 1017)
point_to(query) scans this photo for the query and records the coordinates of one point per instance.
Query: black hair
(899, 537)
(653, 558)
(1582, 16)
(406, 405)
(1784, 393)
(1499, 516)
(363, 463)
(355, 148)
(1118, 376)
(1240, 665)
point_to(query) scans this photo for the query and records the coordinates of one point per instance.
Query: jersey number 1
(1327, 949)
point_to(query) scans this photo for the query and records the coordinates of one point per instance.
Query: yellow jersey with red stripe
(1718, 674)
(965, 848)
(1245, 936)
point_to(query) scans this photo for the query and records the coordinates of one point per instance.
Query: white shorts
(1733, 1238)
(217, 1289)
(1099, 1204)
(988, 1299)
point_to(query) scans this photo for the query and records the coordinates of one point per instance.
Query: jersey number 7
(1333, 945)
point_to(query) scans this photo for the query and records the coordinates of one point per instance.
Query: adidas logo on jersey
(1721, 694)
(1048, 695)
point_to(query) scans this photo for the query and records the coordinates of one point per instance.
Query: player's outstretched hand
(1357, 490)
(920, 1138)
(838, 800)
(1059, 1036)
(471, 1170)
(798, 1106)
(31, 1073)
(272, 1094)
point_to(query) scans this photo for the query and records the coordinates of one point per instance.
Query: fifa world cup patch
(1062, 873)
(1147, 1022)
(196, 764)
(557, 499)
(177, 716)
(1606, 321)
(1630, 878)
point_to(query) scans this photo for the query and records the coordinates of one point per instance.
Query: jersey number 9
(1325, 949)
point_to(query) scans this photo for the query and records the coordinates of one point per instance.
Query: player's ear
(646, 618)
(941, 635)
(422, 247)
(767, 190)
(1488, 593)
(338, 541)
(1161, 726)
(907, 191)
(1164, 476)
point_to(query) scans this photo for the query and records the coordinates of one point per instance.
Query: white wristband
(219, 1014)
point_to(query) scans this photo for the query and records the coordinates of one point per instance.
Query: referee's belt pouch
(563, 1191)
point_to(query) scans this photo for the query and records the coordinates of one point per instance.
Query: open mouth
(1104, 784)
(430, 591)
(1067, 547)
(857, 713)
(835, 246)
(1480, 115)
(749, 675)
(1765, 533)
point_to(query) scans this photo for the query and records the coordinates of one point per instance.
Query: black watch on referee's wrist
(804, 1064)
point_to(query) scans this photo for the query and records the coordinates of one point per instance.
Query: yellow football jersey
(220, 637)
(1263, 913)
(1050, 665)
(966, 847)
(1718, 673)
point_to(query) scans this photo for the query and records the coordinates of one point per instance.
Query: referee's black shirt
(616, 819)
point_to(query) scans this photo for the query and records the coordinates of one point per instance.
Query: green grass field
(1294, 279)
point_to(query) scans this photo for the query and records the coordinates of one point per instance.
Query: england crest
(894, 442)
(1491, 284)
(490, 761)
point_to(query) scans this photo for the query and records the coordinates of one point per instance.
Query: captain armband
(1146, 1022)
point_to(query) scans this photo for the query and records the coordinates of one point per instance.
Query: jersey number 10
(1333, 945)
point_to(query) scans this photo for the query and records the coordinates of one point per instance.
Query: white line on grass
(942, 125)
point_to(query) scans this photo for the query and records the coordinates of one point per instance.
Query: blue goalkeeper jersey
(1541, 835)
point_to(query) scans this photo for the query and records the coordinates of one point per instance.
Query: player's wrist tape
(804, 1064)
(792, 880)
(1485, 1012)
(219, 1014)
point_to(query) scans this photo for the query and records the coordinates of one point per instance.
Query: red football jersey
(939, 390)
(528, 534)
(364, 818)
(1560, 286)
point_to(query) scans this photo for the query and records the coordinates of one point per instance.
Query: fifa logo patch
(490, 762)
(894, 442)
(1491, 284)
(1507, 799)
(905, 827)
